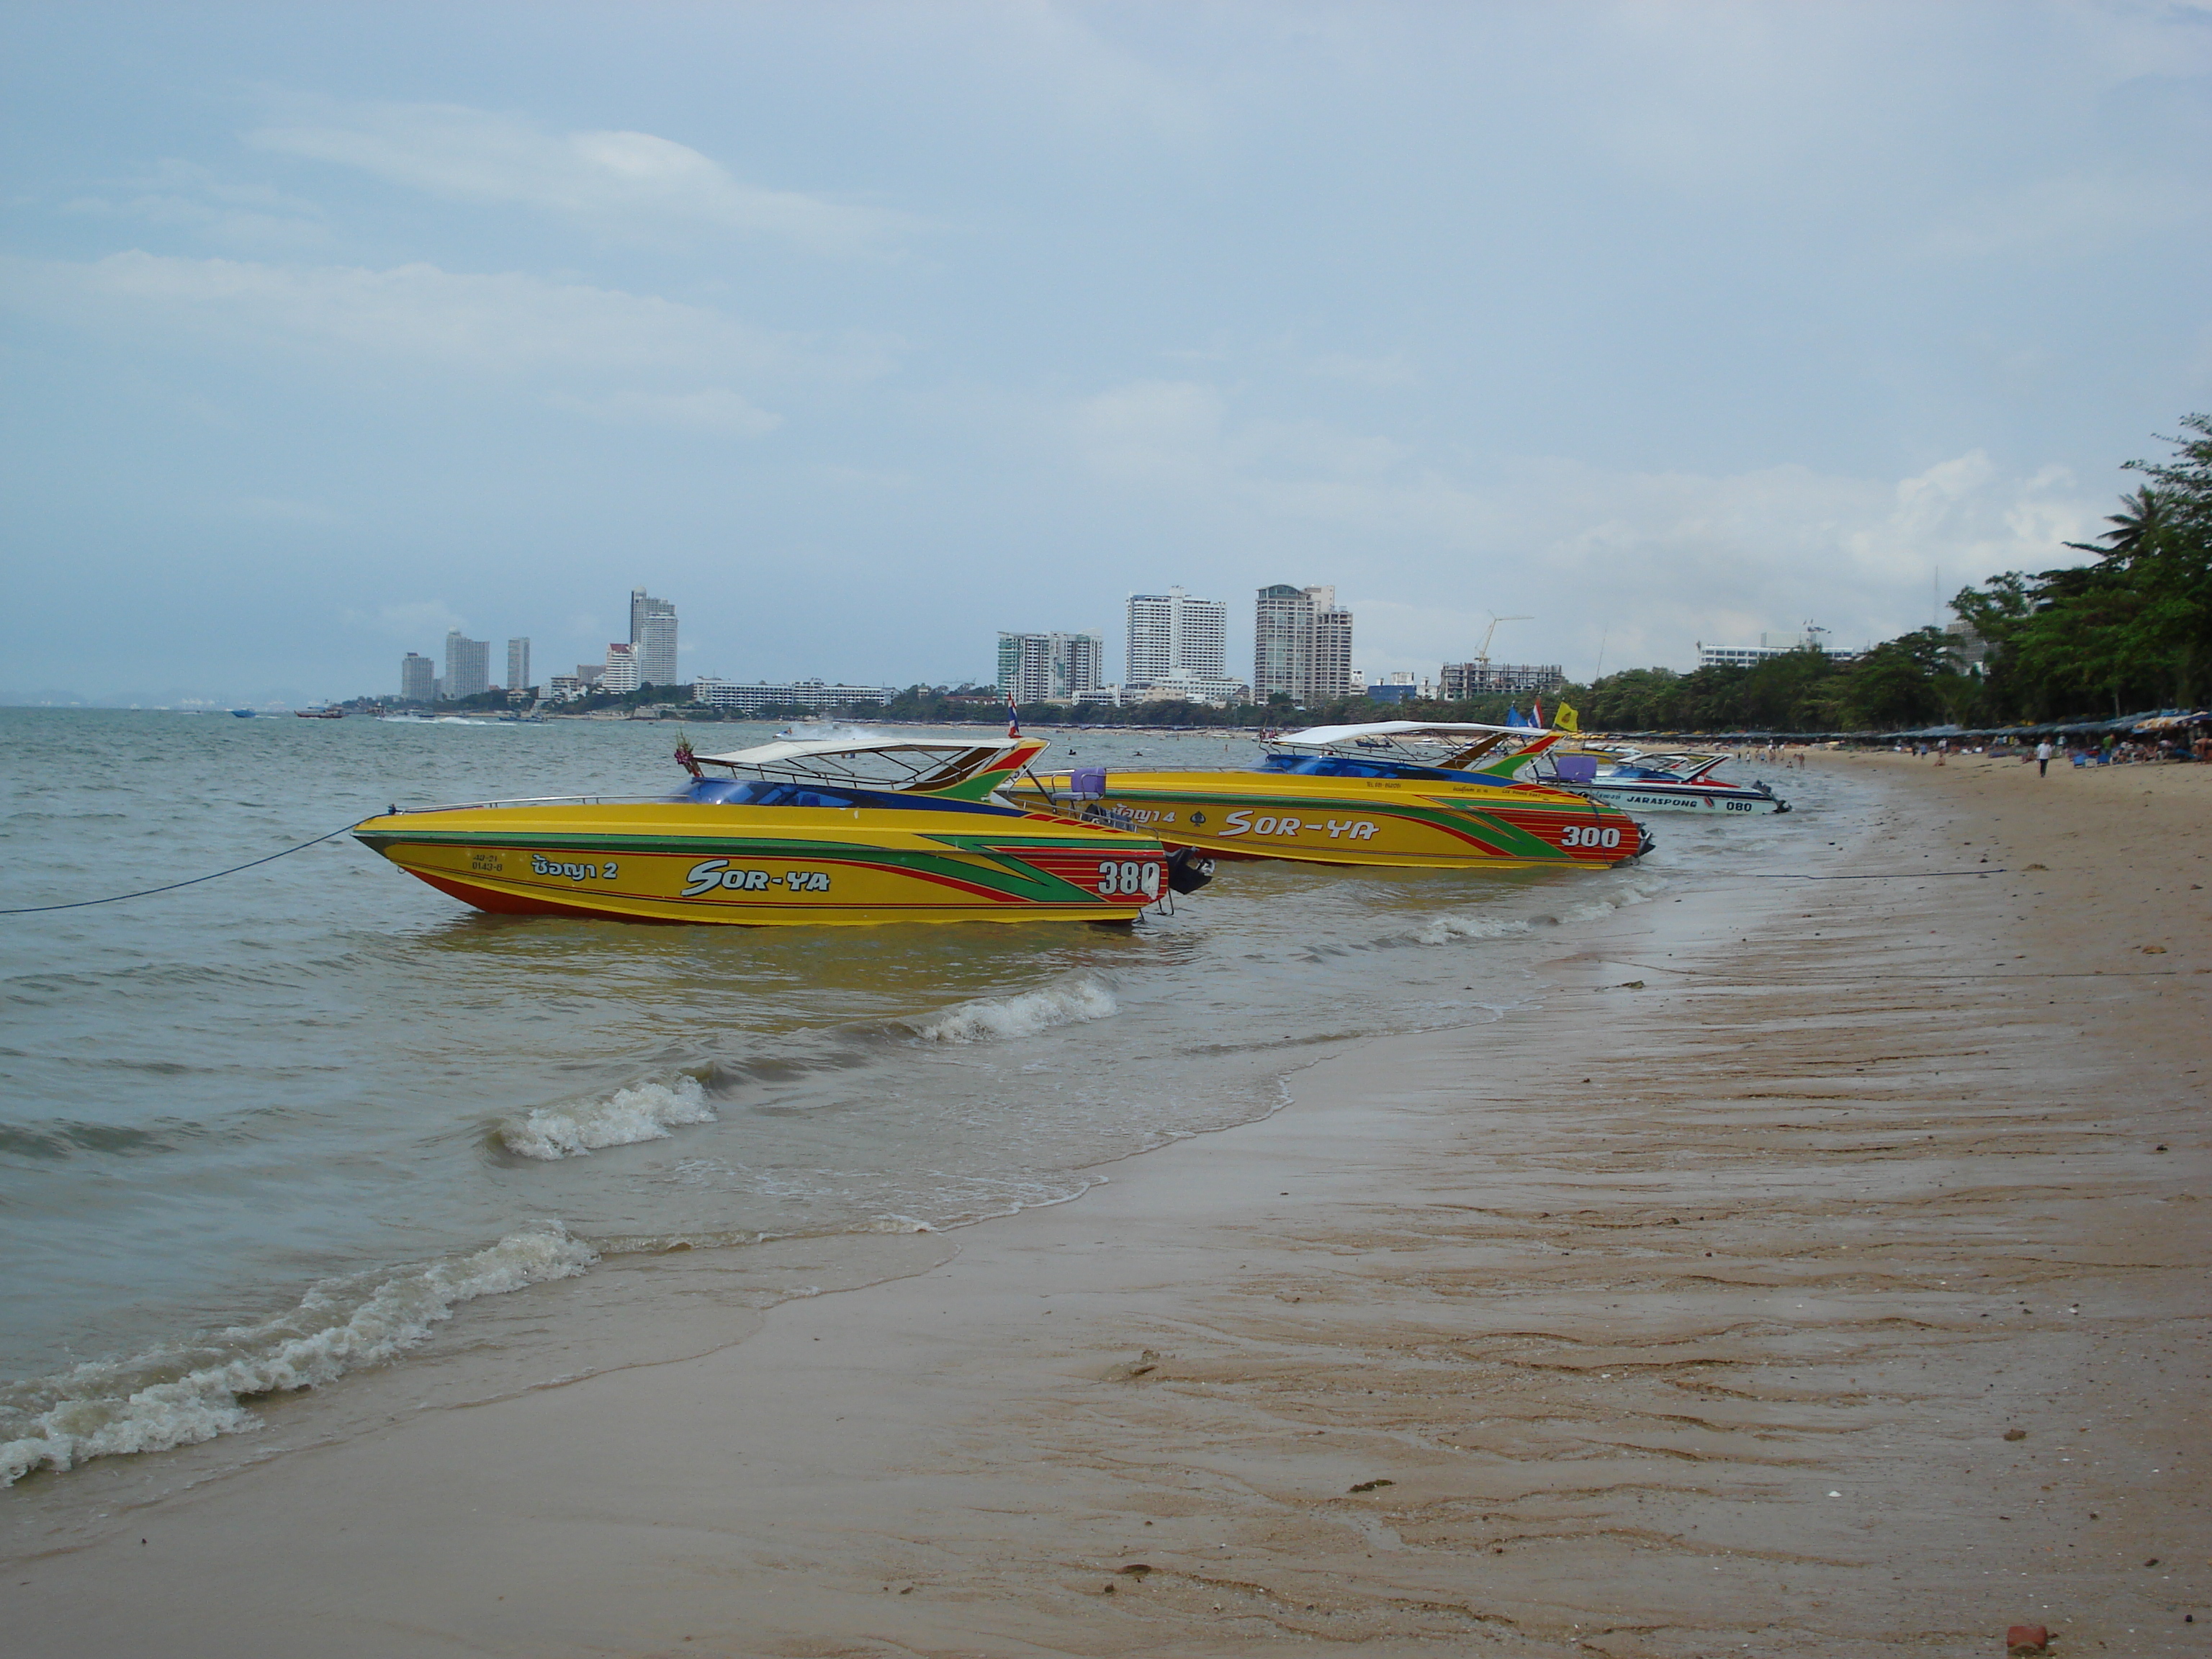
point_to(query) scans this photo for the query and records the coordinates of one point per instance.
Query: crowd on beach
(2111, 751)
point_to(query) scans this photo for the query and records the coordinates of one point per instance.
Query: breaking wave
(180, 1397)
(1623, 896)
(1442, 930)
(994, 1019)
(623, 1119)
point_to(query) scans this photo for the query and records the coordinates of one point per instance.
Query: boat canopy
(1454, 746)
(964, 768)
(1318, 736)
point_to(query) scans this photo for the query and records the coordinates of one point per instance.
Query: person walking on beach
(2043, 758)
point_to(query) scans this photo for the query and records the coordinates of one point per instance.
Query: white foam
(623, 1119)
(1442, 930)
(130, 1406)
(1622, 898)
(994, 1019)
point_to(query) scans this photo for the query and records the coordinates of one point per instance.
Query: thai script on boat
(1243, 823)
(544, 866)
(709, 873)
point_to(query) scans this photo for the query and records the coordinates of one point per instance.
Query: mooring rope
(147, 892)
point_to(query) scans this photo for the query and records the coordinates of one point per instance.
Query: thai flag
(1013, 717)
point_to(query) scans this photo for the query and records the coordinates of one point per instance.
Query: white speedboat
(1610, 774)
(1638, 782)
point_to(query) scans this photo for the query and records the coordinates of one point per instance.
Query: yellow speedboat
(1353, 794)
(823, 831)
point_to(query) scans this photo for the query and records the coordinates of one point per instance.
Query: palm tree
(2142, 518)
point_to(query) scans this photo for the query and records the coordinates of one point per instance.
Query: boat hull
(768, 867)
(1406, 822)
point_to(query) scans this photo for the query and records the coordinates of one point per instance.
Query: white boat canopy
(1323, 736)
(1454, 746)
(860, 760)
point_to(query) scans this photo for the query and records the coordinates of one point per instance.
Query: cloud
(2082, 214)
(419, 620)
(609, 354)
(715, 409)
(184, 195)
(1651, 561)
(615, 179)
(1384, 374)
(281, 509)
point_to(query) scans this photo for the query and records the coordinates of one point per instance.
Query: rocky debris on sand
(1143, 1363)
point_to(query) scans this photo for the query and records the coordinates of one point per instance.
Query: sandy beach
(1816, 1265)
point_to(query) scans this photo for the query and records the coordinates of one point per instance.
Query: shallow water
(260, 1132)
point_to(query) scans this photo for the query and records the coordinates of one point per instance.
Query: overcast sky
(862, 332)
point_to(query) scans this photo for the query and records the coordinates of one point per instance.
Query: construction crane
(1483, 655)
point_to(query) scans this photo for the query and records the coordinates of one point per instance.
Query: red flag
(1539, 703)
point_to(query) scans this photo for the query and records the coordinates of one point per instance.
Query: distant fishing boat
(245, 713)
(319, 713)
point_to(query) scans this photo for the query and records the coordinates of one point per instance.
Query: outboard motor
(1187, 870)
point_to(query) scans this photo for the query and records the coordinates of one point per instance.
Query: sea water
(263, 1132)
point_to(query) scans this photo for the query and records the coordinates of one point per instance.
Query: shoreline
(1436, 1351)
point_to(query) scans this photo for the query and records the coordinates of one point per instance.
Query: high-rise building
(418, 679)
(1050, 667)
(653, 631)
(1173, 635)
(468, 666)
(621, 673)
(1301, 645)
(518, 664)
(1462, 680)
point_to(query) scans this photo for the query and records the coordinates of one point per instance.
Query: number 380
(1128, 879)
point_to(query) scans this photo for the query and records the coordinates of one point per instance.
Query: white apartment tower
(621, 674)
(418, 679)
(652, 632)
(1302, 645)
(1051, 667)
(1174, 636)
(468, 665)
(518, 664)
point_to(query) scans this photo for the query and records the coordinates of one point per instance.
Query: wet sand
(1820, 1266)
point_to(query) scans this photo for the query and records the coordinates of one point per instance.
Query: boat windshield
(1348, 766)
(774, 791)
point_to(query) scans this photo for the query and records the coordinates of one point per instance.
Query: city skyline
(1175, 648)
